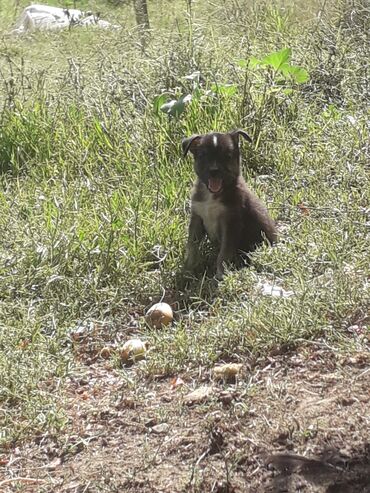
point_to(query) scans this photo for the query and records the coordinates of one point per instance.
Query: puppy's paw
(220, 273)
(191, 266)
(187, 269)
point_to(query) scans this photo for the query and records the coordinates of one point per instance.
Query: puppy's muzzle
(215, 181)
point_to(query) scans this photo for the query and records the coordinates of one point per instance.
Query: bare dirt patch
(293, 422)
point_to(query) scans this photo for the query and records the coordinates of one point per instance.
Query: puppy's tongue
(214, 184)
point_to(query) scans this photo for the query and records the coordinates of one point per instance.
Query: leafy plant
(279, 61)
(175, 107)
(270, 88)
(277, 64)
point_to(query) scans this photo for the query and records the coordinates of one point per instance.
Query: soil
(296, 422)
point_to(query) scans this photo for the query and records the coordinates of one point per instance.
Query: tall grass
(93, 186)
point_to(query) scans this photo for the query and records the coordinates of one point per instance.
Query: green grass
(92, 180)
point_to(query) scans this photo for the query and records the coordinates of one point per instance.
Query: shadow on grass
(203, 284)
(330, 470)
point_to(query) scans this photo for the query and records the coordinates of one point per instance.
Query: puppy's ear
(187, 143)
(242, 133)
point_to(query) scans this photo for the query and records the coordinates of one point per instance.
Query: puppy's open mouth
(215, 185)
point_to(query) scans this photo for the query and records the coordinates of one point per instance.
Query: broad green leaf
(242, 63)
(186, 98)
(277, 59)
(167, 107)
(298, 74)
(284, 67)
(253, 62)
(158, 102)
(176, 107)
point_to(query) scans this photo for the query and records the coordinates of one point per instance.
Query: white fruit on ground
(227, 371)
(133, 349)
(159, 315)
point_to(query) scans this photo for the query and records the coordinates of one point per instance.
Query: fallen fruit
(227, 372)
(198, 395)
(133, 349)
(159, 315)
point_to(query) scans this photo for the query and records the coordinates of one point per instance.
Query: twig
(23, 480)
(362, 374)
(200, 458)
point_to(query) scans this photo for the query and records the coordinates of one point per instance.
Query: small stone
(161, 428)
(198, 395)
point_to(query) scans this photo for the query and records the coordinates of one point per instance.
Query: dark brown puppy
(221, 204)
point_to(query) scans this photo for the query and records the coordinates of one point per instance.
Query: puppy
(221, 204)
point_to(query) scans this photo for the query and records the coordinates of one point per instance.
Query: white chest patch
(210, 210)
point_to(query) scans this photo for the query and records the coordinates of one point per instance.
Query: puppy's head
(216, 157)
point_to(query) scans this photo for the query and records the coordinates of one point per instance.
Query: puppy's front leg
(196, 234)
(228, 246)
